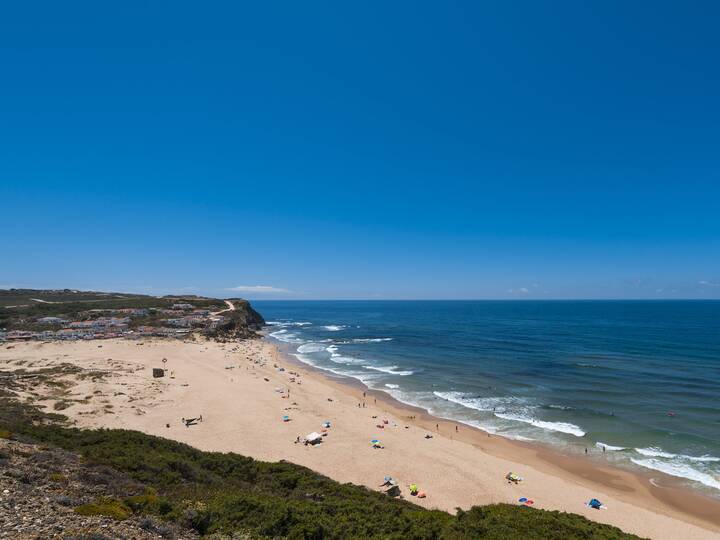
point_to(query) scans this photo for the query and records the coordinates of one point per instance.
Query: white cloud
(707, 283)
(264, 289)
(521, 290)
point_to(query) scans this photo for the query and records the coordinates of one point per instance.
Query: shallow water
(641, 379)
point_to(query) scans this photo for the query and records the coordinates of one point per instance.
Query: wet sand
(242, 397)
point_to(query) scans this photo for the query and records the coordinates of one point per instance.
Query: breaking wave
(562, 427)
(311, 348)
(392, 370)
(610, 447)
(658, 453)
(680, 470)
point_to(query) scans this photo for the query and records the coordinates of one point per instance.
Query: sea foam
(392, 370)
(680, 470)
(659, 453)
(610, 447)
(287, 323)
(311, 348)
(562, 427)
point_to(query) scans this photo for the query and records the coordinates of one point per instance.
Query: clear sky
(382, 150)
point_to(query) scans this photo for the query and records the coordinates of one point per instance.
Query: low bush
(59, 478)
(109, 507)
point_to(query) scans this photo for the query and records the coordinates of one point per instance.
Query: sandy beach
(243, 390)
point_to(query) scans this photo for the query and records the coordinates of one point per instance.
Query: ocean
(640, 379)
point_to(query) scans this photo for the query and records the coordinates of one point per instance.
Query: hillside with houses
(27, 314)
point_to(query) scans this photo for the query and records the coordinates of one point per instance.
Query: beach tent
(413, 489)
(313, 437)
(594, 503)
(286, 418)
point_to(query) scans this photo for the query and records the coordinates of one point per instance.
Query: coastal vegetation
(216, 494)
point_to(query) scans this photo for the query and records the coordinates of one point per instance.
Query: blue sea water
(639, 378)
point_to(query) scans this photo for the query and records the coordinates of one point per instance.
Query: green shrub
(59, 478)
(148, 503)
(109, 507)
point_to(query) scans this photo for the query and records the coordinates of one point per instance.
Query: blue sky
(382, 150)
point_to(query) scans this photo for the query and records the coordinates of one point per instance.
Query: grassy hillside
(229, 493)
(20, 297)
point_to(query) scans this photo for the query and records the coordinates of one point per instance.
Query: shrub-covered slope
(229, 493)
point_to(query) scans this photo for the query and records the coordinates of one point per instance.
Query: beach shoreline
(591, 468)
(240, 394)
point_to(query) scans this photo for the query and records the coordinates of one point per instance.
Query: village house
(176, 312)
(18, 335)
